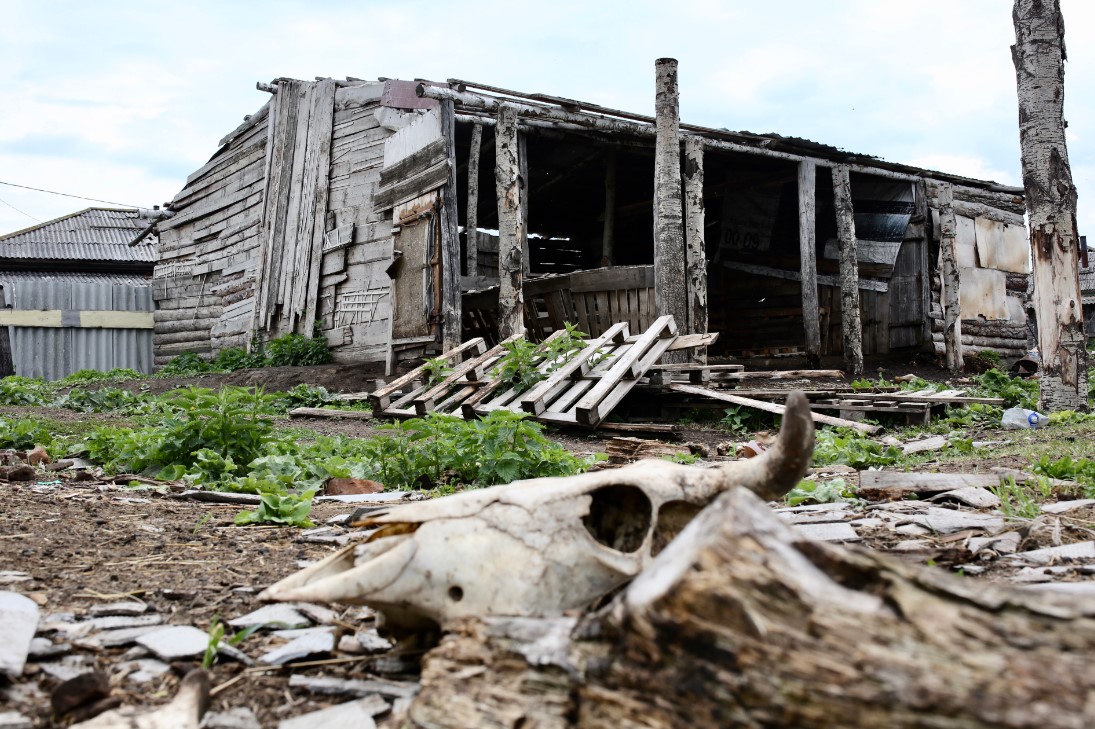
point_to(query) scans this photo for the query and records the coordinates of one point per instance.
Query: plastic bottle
(1021, 418)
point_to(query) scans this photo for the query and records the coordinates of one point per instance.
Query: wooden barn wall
(204, 277)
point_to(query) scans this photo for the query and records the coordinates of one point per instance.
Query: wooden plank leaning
(770, 407)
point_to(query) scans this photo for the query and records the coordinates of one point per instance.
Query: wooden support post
(849, 271)
(695, 246)
(1039, 56)
(807, 245)
(924, 260)
(522, 158)
(608, 238)
(471, 227)
(450, 240)
(952, 315)
(670, 291)
(511, 225)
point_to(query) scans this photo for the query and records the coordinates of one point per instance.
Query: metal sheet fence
(54, 352)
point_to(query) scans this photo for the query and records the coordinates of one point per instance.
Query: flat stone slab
(975, 496)
(115, 622)
(176, 642)
(238, 718)
(276, 615)
(949, 521)
(128, 607)
(18, 623)
(1063, 506)
(351, 715)
(828, 532)
(1049, 555)
(317, 641)
(354, 687)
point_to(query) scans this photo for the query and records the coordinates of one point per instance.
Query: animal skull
(536, 547)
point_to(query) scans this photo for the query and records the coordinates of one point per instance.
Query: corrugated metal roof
(94, 234)
(11, 278)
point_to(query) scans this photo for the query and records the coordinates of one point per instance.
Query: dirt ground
(71, 545)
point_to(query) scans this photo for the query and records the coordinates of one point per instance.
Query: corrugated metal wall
(54, 352)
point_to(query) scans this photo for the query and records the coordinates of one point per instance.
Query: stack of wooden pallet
(582, 389)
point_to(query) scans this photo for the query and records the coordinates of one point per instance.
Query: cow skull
(536, 547)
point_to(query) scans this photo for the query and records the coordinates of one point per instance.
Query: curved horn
(778, 470)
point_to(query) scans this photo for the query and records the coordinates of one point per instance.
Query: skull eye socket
(619, 517)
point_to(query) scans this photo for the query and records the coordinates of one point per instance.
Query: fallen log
(741, 622)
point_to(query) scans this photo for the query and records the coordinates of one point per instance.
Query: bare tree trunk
(952, 280)
(696, 247)
(670, 294)
(849, 271)
(522, 157)
(471, 229)
(608, 238)
(807, 245)
(451, 295)
(740, 622)
(1039, 56)
(511, 225)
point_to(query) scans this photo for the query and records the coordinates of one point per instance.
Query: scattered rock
(277, 615)
(184, 712)
(238, 718)
(317, 613)
(346, 486)
(353, 687)
(143, 670)
(828, 532)
(68, 667)
(351, 715)
(176, 642)
(37, 455)
(129, 607)
(62, 465)
(20, 473)
(117, 638)
(14, 720)
(1062, 506)
(8, 577)
(41, 648)
(314, 642)
(912, 530)
(1051, 555)
(934, 443)
(85, 688)
(18, 624)
(365, 641)
(115, 622)
(1006, 543)
(975, 496)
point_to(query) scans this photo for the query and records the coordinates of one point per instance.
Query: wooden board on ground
(330, 413)
(896, 485)
(768, 407)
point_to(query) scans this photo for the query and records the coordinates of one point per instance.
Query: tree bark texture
(1039, 56)
(512, 234)
(952, 280)
(471, 227)
(670, 290)
(608, 237)
(451, 295)
(695, 244)
(849, 271)
(807, 245)
(740, 622)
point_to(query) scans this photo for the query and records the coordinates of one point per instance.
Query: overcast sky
(122, 100)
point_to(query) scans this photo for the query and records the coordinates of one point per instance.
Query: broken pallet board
(768, 407)
(896, 485)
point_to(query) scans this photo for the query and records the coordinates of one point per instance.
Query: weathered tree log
(849, 271)
(807, 245)
(952, 318)
(740, 622)
(695, 245)
(1039, 57)
(451, 299)
(512, 234)
(670, 291)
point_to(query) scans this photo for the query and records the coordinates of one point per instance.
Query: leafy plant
(437, 369)
(185, 365)
(741, 420)
(278, 508)
(23, 433)
(16, 390)
(852, 448)
(1016, 501)
(821, 492)
(297, 350)
(231, 359)
(104, 399)
(1016, 392)
(518, 366)
(302, 396)
(216, 638)
(686, 459)
(87, 377)
(1081, 470)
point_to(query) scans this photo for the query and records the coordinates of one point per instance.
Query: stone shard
(18, 623)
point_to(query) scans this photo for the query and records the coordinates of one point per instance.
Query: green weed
(297, 350)
(852, 448)
(1016, 500)
(821, 492)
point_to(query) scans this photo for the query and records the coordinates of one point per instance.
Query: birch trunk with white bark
(670, 292)
(849, 271)
(511, 225)
(952, 315)
(1039, 56)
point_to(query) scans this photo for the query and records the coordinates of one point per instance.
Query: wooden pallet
(582, 390)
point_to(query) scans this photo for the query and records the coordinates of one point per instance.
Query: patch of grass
(1017, 501)
(683, 458)
(1015, 391)
(741, 420)
(851, 448)
(297, 350)
(821, 492)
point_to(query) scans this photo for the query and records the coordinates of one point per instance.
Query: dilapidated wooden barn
(369, 212)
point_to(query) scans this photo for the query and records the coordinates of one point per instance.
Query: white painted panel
(965, 242)
(982, 293)
(417, 135)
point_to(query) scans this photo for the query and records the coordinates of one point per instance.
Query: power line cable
(65, 194)
(19, 211)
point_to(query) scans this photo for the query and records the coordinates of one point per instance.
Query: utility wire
(2, 200)
(65, 194)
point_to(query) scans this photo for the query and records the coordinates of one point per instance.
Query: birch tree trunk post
(807, 245)
(849, 271)
(952, 280)
(1039, 56)
(608, 237)
(670, 294)
(451, 294)
(511, 225)
(471, 227)
(695, 245)
(522, 158)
